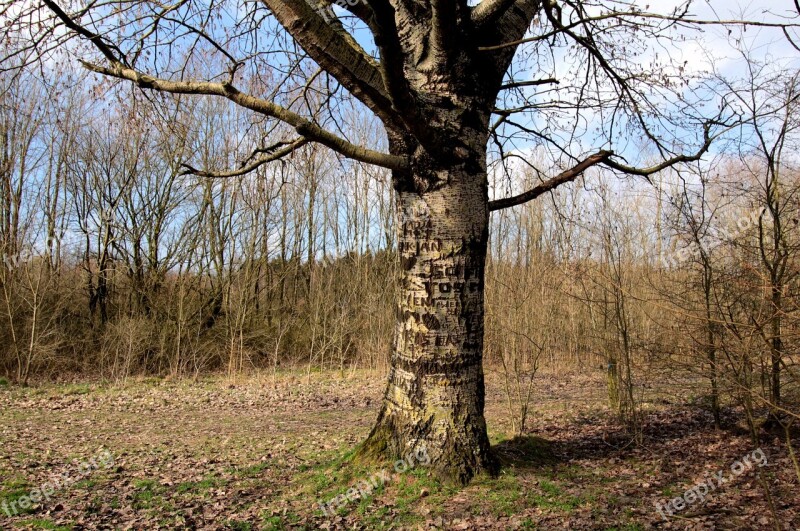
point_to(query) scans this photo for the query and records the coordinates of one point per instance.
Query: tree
(445, 79)
(768, 98)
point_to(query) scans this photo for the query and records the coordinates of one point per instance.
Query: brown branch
(551, 184)
(306, 128)
(337, 52)
(387, 39)
(532, 83)
(109, 51)
(623, 14)
(303, 126)
(275, 155)
(488, 11)
(708, 139)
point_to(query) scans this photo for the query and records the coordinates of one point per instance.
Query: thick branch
(337, 52)
(387, 39)
(511, 24)
(708, 139)
(516, 19)
(443, 34)
(302, 125)
(675, 19)
(488, 11)
(604, 157)
(109, 51)
(551, 184)
(531, 83)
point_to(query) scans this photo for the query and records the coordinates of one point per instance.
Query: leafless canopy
(592, 81)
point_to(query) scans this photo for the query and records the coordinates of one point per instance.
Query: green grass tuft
(43, 524)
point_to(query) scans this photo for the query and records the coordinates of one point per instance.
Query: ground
(262, 452)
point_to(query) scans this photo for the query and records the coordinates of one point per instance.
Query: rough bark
(434, 399)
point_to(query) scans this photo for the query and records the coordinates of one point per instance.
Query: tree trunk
(434, 400)
(776, 354)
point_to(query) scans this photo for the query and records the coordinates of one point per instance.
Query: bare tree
(769, 98)
(450, 80)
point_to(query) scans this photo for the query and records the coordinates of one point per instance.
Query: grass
(238, 525)
(77, 389)
(275, 479)
(148, 494)
(86, 484)
(11, 493)
(553, 498)
(250, 471)
(38, 523)
(198, 486)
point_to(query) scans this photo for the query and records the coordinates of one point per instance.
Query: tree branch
(551, 184)
(337, 52)
(392, 63)
(510, 24)
(531, 83)
(604, 157)
(708, 139)
(274, 155)
(303, 126)
(488, 11)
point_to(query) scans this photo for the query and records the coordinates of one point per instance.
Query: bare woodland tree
(446, 80)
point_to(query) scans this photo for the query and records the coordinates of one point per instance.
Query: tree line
(118, 262)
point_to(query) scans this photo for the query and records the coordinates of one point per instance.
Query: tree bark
(434, 400)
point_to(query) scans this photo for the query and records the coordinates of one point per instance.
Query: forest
(203, 296)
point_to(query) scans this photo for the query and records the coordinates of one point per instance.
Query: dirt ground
(261, 453)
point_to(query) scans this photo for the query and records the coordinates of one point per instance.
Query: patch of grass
(3, 382)
(278, 523)
(333, 476)
(198, 486)
(239, 525)
(553, 498)
(86, 484)
(43, 524)
(505, 495)
(273, 523)
(252, 470)
(147, 495)
(11, 493)
(77, 389)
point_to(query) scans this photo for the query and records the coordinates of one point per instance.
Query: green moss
(375, 448)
